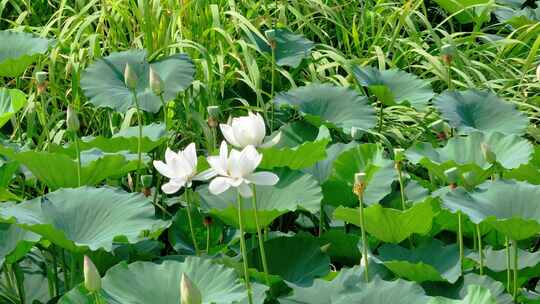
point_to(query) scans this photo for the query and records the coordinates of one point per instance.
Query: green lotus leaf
(303, 262)
(15, 242)
(495, 260)
(466, 13)
(475, 295)
(323, 168)
(343, 247)
(378, 291)
(35, 283)
(295, 190)
(395, 86)
(290, 48)
(527, 172)
(391, 225)
(480, 110)
(420, 264)
(146, 282)
(126, 140)
(103, 81)
(518, 17)
(511, 207)
(298, 148)
(58, 170)
(322, 291)
(368, 158)
(466, 154)
(11, 101)
(18, 51)
(86, 218)
(328, 104)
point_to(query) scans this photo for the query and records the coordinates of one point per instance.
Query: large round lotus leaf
(510, 207)
(82, 218)
(18, 51)
(35, 283)
(476, 294)
(295, 190)
(322, 291)
(391, 225)
(465, 9)
(58, 170)
(395, 86)
(125, 140)
(527, 172)
(11, 101)
(518, 17)
(342, 247)
(149, 283)
(290, 48)
(466, 153)
(326, 103)
(420, 264)
(103, 81)
(496, 259)
(480, 110)
(323, 168)
(300, 146)
(378, 291)
(368, 158)
(297, 259)
(15, 242)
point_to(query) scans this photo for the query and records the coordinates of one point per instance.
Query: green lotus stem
(364, 238)
(508, 276)
(321, 219)
(139, 140)
(19, 278)
(164, 105)
(243, 248)
(55, 271)
(45, 125)
(460, 240)
(208, 238)
(480, 251)
(402, 192)
(78, 151)
(515, 245)
(65, 271)
(260, 235)
(190, 221)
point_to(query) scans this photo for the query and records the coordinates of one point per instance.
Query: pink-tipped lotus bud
(189, 293)
(92, 280)
(156, 84)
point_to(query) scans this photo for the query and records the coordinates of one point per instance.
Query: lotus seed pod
(447, 53)
(213, 111)
(189, 293)
(146, 181)
(452, 175)
(130, 78)
(41, 77)
(359, 178)
(437, 126)
(399, 154)
(72, 119)
(489, 156)
(92, 280)
(156, 84)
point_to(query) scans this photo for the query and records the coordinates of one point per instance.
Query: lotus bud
(399, 154)
(189, 293)
(489, 156)
(92, 280)
(156, 84)
(72, 119)
(356, 133)
(452, 175)
(130, 78)
(538, 73)
(359, 183)
(470, 178)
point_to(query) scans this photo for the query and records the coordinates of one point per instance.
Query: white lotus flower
(237, 170)
(181, 169)
(247, 130)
